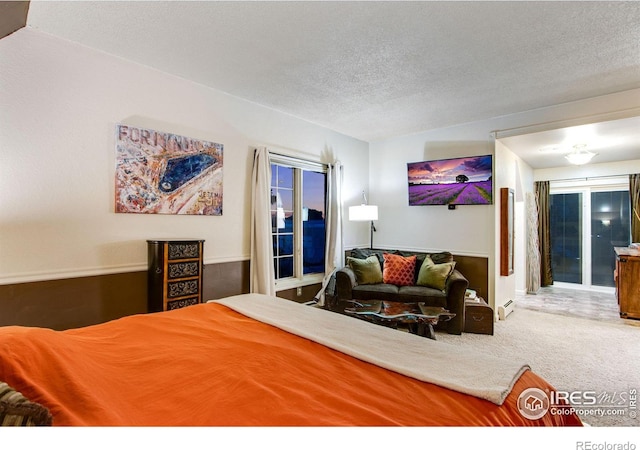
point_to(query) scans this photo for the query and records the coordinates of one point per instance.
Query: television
(455, 181)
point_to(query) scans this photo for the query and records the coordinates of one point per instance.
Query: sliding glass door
(610, 227)
(566, 237)
(586, 223)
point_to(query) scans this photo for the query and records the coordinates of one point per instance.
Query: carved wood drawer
(175, 273)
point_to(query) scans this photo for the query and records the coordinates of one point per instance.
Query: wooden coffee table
(418, 317)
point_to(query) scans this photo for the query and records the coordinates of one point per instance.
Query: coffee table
(418, 317)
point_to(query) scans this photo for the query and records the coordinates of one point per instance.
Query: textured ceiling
(372, 70)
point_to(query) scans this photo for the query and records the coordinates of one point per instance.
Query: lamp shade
(363, 212)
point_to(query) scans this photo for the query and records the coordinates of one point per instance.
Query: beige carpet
(571, 353)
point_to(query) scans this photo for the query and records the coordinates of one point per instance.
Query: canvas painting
(455, 181)
(164, 173)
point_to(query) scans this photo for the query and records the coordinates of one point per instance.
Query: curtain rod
(589, 178)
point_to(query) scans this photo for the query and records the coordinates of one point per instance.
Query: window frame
(299, 278)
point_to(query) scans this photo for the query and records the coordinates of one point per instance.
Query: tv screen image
(455, 181)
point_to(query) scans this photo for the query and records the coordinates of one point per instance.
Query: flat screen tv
(455, 181)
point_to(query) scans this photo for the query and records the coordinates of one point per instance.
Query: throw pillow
(367, 271)
(364, 253)
(434, 275)
(399, 270)
(16, 410)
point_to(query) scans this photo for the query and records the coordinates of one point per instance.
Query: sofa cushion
(399, 270)
(379, 291)
(418, 294)
(367, 271)
(434, 275)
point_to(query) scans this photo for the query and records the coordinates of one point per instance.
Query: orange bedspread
(206, 365)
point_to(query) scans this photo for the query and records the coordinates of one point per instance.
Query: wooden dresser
(174, 279)
(627, 278)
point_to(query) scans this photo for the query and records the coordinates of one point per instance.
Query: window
(566, 237)
(586, 223)
(298, 193)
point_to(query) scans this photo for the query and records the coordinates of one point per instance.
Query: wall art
(453, 181)
(164, 173)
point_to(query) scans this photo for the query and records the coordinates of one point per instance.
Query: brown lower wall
(78, 302)
(476, 270)
(307, 293)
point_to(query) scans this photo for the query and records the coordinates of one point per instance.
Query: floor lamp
(363, 213)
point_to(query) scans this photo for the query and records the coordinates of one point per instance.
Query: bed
(254, 360)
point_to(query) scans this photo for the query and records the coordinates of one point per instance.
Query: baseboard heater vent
(506, 309)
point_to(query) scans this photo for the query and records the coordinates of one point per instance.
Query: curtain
(261, 272)
(334, 253)
(544, 232)
(634, 193)
(533, 246)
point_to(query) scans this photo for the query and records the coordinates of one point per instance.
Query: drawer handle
(478, 318)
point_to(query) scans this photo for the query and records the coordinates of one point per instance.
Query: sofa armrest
(345, 282)
(455, 289)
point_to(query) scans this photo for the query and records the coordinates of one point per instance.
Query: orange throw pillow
(399, 270)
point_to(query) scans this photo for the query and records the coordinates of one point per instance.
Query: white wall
(514, 173)
(463, 230)
(470, 230)
(60, 104)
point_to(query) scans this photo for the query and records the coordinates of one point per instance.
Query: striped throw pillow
(16, 410)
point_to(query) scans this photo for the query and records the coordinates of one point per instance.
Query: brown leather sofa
(451, 298)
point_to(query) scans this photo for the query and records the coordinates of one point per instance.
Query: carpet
(573, 354)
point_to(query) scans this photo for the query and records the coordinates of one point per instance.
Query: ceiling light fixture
(579, 155)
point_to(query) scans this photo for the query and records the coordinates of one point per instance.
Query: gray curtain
(634, 193)
(334, 253)
(261, 271)
(544, 232)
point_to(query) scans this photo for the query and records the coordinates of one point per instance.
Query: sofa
(404, 276)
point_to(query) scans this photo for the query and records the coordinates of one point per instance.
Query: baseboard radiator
(506, 309)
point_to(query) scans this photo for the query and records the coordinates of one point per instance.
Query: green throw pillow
(367, 271)
(434, 275)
